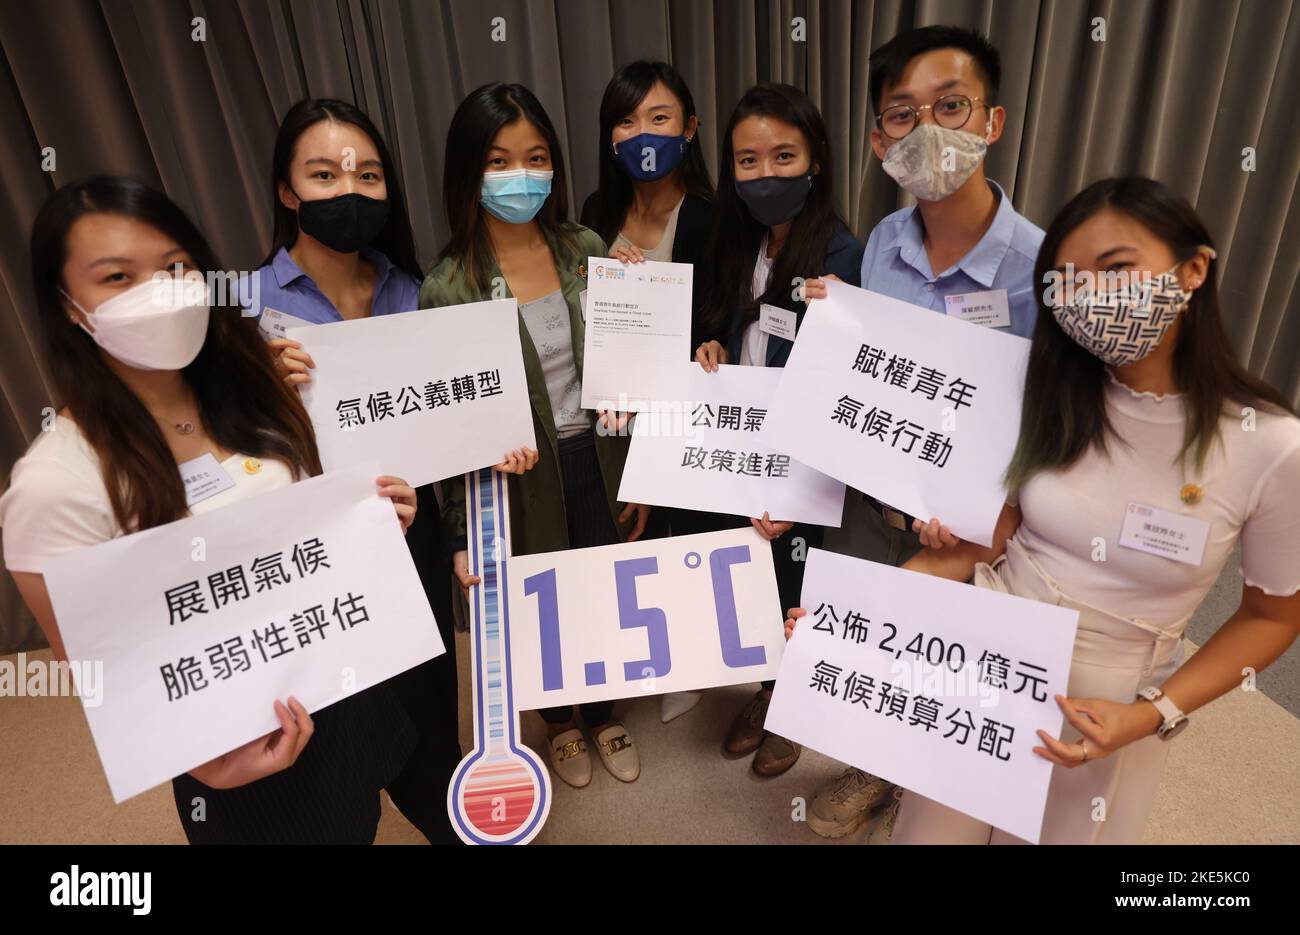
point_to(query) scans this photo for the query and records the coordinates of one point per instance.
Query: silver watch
(1174, 719)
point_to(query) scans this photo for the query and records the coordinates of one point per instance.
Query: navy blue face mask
(649, 156)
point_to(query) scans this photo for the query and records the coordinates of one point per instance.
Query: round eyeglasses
(951, 111)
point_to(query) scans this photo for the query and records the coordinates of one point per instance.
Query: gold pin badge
(582, 270)
(252, 466)
(1190, 494)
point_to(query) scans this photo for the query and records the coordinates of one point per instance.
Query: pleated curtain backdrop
(1198, 93)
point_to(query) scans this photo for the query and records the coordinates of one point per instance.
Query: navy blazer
(843, 259)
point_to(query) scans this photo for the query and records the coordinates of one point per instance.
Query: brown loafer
(776, 755)
(747, 729)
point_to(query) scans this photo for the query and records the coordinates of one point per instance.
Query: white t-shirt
(753, 346)
(57, 501)
(1250, 489)
(662, 251)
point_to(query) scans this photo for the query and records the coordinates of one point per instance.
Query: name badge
(777, 322)
(989, 309)
(204, 477)
(272, 323)
(1160, 532)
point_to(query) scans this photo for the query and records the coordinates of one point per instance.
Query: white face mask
(156, 325)
(932, 161)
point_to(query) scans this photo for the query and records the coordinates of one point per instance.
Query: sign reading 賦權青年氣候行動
(919, 410)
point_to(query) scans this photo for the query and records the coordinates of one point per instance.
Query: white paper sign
(931, 684)
(707, 455)
(202, 624)
(638, 329)
(427, 394)
(641, 618)
(916, 409)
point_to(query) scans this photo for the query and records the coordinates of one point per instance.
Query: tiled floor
(1231, 778)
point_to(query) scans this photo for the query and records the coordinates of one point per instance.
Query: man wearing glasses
(962, 250)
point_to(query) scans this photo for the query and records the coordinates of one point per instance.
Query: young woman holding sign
(505, 194)
(341, 248)
(149, 382)
(776, 225)
(1166, 421)
(655, 202)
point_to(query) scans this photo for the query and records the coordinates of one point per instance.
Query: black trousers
(789, 555)
(590, 523)
(428, 692)
(329, 796)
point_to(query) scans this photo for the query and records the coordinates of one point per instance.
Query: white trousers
(1105, 801)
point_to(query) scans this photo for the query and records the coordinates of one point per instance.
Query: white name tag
(1159, 532)
(272, 323)
(989, 309)
(777, 322)
(204, 477)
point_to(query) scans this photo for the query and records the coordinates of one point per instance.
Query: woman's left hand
(642, 513)
(1106, 726)
(628, 253)
(770, 528)
(815, 288)
(403, 496)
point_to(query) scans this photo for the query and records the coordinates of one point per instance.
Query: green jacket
(538, 520)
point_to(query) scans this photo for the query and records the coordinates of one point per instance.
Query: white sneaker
(617, 753)
(569, 758)
(675, 704)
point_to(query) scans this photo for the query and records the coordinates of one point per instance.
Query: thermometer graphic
(500, 792)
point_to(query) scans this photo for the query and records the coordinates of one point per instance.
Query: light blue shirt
(895, 263)
(286, 288)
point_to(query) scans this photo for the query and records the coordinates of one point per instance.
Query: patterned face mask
(1122, 326)
(932, 162)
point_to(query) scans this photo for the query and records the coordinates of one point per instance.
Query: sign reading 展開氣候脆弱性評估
(203, 623)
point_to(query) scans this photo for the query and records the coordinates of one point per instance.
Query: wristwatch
(1174, 719)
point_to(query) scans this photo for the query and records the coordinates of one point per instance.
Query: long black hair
(624, 93)
(734, 241)
(474, 126)
(395, 241)
(244, 405)
(1064, 411)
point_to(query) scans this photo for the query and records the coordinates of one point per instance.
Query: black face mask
(774, 199)
(345, 223)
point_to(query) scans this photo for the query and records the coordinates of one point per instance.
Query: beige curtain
(1198, 93)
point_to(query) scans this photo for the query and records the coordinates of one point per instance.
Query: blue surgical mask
(649, 156)
(516, 195)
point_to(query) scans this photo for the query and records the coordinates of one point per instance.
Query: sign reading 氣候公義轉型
(428, 394)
